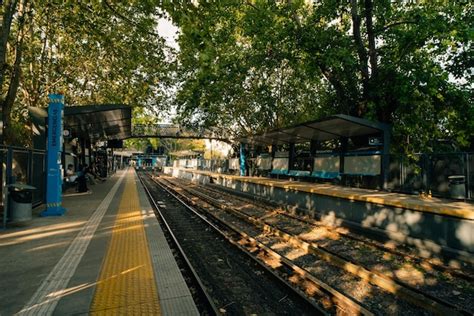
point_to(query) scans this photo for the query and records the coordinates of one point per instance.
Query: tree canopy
(256, 65)
(93, 52)
(248, 66)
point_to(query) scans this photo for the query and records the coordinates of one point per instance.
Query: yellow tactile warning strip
(432, 205)
(126, 284)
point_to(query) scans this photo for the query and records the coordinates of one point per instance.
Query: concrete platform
(435, 226)
(54, 265)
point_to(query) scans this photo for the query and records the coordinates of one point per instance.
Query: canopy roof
(99, 122)
(333, 127)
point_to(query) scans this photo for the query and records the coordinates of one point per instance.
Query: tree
(20, 11)
(259, 65)
(115, 55)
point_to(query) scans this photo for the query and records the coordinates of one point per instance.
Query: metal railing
(429, 173)
(176, 131)
(22, 165)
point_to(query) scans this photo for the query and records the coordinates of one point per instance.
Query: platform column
(386, 158)
(342, 155)
(291, 156)
(312, 151)
(242, 159)
(54, 169)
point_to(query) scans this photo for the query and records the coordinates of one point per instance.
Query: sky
(168, 31)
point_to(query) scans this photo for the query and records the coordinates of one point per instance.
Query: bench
(326, 175)
(299, 173)
(278, 172)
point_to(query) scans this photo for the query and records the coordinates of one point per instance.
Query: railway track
(465, 272)
(446, 299)
(232, 282)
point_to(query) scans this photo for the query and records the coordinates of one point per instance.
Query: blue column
(242, 159)
(54, 148)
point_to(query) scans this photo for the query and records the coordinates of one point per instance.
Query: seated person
(93, 171)
(70, 174)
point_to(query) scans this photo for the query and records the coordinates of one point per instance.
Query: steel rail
(239, 244)
(419, 260)
(202, 288)
(342, 300)
(407, 292)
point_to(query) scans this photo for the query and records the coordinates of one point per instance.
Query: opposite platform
(106, 255)
(436, 227)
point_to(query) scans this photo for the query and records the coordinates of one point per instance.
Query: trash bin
(457, 187)
(20, 202)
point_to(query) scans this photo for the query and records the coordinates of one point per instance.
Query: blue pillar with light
(242, 159)
(53, 156)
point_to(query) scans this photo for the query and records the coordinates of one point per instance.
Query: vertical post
(273, 152)
(467, 176)
(4, 188)
(9, 171)
(242, 159)
(113, 161)
(54, 169)
(424, 173)
(6, 178)
(82, 143)
(291, 156)
(386, 158)
(313, 147)
(274, 149)
(342, 154)
(29, 169)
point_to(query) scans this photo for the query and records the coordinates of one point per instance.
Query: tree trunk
(362, 54)
(7, 103)
(371, 38)
(9, 8)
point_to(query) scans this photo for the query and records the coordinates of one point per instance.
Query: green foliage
(257, 65)
(254, 65)
(94, 52)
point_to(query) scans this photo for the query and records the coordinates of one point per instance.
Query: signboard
(53, 156)
(375, 141)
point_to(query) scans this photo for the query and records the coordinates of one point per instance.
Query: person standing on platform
(81, 180)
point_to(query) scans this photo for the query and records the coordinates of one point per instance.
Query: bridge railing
(174, 131)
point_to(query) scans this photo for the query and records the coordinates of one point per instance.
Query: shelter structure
(98, 122)
(84, 127)
(344, 160)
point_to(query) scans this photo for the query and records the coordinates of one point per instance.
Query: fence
(430, 172)
(21, 165)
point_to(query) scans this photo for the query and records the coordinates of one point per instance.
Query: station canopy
(333, 127)
(99, 122)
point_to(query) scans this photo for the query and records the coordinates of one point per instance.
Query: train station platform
(106, 255)
(435, 226)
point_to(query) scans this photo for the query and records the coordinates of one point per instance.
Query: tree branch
(123, 17)
(9, 11)
(371, 37)
(386, 27)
